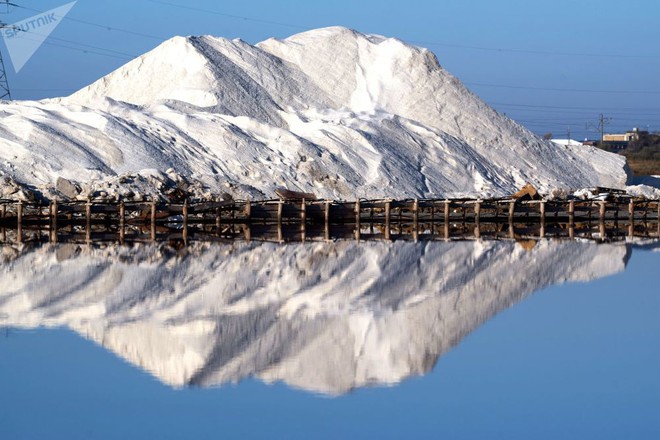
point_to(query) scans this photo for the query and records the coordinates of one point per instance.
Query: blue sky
(551, 65)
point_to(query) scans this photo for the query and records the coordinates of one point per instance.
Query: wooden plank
(53, 221)
(358, 212)
(303, 220)
(88, 222)
(326, 221)
(387, 220)
(185, 221)
(631, 218)
(122, 222)
(19, 221)
(153, 221)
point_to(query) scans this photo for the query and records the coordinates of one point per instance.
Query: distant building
(625, 137)
(620, 141)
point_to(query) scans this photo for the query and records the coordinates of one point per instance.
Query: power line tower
(4, 84)
(600, 125)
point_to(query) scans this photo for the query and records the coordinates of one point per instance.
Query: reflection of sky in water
(577, 360)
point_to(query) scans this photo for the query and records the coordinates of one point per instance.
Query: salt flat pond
(458, 339)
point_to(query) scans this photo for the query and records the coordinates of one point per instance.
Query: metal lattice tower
(4, 84)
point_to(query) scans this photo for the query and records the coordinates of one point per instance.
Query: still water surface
(469, 339)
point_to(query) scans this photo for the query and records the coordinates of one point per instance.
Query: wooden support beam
(122, 222)
(88, 222)
(512, 211)
(248, 210)
(185, 221)
(415, 219)
(446, 219)
(19, 222)
(542, 215)
(53, 221)
(631, 218)
(303, 220)
(326, 221)
(153, 221)
(358, 212)
(387, 220)
(280, 237)
(432, 217)
(571, 214)
(218, 222)
(477, 219)
(601, 216)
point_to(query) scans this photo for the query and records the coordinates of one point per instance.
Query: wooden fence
(280, 220)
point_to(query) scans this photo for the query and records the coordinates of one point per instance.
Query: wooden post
(122, 222)
(542, 214)
(248, 211)
(601, 216)
(446, 219)
(415, 219)
(571, 213)
(233, 217)
(658, 218)
(477, 212)
(153, 220)
(432, 217)
(218, 221)
(185, 221)
(303, 220)
(88, 221)
(631, 218)
(357, 219)
(279, 221)
(19, 222)
(371, 219)
(53, 221)
(387, 220)
(512, 213)
(327, 220)
(4, 229)
(477, 219)
(247, 230)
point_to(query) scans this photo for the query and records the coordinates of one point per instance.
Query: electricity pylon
(5, 94)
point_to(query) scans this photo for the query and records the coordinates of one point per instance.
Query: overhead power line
(553, 89)
(419, 42)
(103, 26)
(238, 17)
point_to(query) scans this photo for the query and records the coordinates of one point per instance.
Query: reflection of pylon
(4, 84)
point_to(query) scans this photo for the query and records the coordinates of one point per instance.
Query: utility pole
(600, 126)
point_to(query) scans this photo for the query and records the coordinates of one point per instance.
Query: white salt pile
(329, 111)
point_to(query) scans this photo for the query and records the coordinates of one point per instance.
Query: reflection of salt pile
(323, 317)
(330, 111)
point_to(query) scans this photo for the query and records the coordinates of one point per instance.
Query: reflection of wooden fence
(282, 220)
